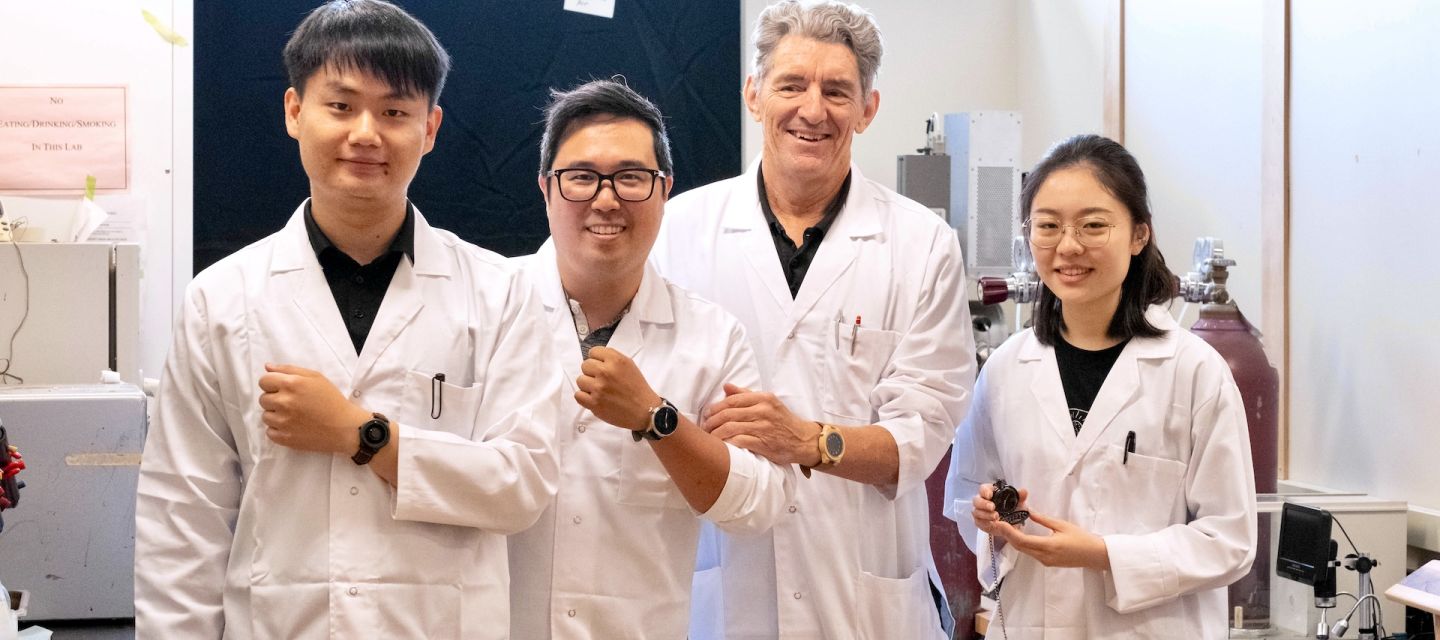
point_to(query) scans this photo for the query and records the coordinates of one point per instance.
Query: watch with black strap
(664, 420)
(374, 435)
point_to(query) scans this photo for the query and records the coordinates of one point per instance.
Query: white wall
(939, 57)
(76, 42)
(1061, 71)
(1193, 108)
(1365, 177)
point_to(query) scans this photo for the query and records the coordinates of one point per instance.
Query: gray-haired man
(853, 298)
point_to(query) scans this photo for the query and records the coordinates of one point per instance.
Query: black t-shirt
(1082, 373)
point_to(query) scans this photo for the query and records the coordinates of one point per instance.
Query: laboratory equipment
(77, 310)
(967, 174)
(72, 546)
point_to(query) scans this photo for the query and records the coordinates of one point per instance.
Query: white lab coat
(613, 557)
(1178, 517)
(239, 537)
(853, 560)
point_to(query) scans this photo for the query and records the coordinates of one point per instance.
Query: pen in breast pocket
(1129, 448)
(437, 396)
(854, 335)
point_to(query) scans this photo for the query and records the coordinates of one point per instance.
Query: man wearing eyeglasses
(614, 556)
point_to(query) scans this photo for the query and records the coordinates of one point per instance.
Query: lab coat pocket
(440, 406)
(644, 481)
(860, 357)
(1152, 490)
(707, 616)
(897, 607)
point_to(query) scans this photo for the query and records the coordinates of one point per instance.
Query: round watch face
(376, 434)
(1005, 497)
(834, 444)
(666, 420)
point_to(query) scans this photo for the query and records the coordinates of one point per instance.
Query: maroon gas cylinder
(1226, 329)
(1237, 341)
(953, 560)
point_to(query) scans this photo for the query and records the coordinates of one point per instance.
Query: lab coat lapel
(557, 313)
(651, 306)
(293, 266)
(405, 297)
(1122, 385)
(1045, 386)
(1115, 393)
(403, 300)
(746, 227)
(856, 224)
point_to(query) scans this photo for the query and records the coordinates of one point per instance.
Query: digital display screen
(1304, 543)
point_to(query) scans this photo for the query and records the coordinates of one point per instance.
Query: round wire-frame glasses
(630, 185)
(1046, 233)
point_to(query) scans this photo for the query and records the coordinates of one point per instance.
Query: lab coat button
(793, 509)
(576, 520)
(354, 591)
(791, 336)
(797, 595)
(355, 393)
(580, 428)
(354, 491)
(570, 613)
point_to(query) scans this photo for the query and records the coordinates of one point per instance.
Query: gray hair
(827, 21)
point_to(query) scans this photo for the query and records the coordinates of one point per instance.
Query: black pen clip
(1129, 448)
(437, 396)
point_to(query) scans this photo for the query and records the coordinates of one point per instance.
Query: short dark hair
(372, 36)
(610, 99)
(1149, 281)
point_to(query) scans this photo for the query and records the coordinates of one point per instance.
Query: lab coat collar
(294, 260)
(293, 251)
(1116, 393)
(1164, 346)
(650, 306)
(852, 226)
(857, 222)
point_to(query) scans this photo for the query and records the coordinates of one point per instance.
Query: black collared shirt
(795, 261)
(359, 289)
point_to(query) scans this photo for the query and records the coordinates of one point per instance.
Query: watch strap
(650, 432)
(366, 453)
(825, 459)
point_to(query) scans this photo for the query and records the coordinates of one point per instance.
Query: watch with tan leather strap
(831, 445)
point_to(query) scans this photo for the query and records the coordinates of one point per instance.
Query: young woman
(1124, 433)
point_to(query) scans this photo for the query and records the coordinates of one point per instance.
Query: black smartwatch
(664, 420)
(374, 435)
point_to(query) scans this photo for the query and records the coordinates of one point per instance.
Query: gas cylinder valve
(1021, 286)
(1206, 283)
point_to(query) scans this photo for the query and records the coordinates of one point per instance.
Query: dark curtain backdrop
(480, 180)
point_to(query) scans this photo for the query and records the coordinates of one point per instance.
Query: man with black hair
(358, 408)
(614, 557)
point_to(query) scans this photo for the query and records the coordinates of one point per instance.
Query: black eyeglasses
(630, 185)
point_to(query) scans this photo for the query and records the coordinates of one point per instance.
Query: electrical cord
(1347, 534)
(8, 361)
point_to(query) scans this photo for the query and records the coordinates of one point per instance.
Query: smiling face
(605, 236)
(1086, 279)
(810, 105)
(360, 140)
